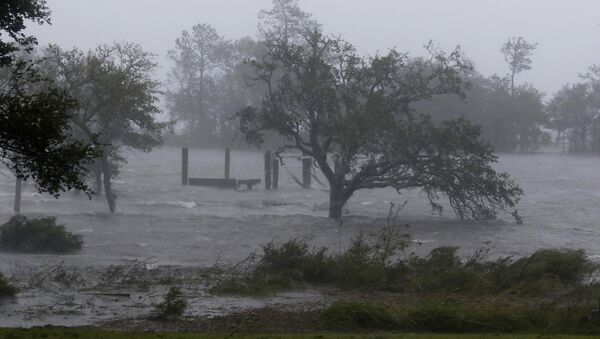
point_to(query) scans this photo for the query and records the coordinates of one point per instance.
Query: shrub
(365, 264)
(563, 267)
(41, 235)
(6, 289)
(294, 262)
(443, 269)
(376, 263)
(172, 307)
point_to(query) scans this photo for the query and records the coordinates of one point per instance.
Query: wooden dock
(224, 183)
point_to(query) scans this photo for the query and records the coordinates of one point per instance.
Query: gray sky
(567, 31)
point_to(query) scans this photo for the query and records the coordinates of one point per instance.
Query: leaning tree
(354, 116)
(118, 102)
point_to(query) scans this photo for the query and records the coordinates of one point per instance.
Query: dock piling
(227, 162)
(275, 183)
(18, 196)
(306, 173)
(268, 177)
(184, 166)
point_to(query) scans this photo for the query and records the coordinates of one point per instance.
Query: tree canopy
(35, 136)
(118, 101)
(355, 117)
(14, 15)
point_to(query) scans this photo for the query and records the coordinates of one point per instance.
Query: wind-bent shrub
(378, 262)
(6, 289)
(172, 307)
(40, 235)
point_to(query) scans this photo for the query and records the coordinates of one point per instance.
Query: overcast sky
(567, 31)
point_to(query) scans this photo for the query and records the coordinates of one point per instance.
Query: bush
(41, 235)
(6, 289)
(545, 270)
(376, 263)
(172, 306)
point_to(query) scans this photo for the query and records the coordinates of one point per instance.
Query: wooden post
(18, 196)
(268, 170)
(275, 173)
(184, 166)
(306, 169)
(227, 162)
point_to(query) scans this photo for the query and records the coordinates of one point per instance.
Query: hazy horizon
(562, 29)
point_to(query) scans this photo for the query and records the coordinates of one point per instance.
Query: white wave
(423, 241)
(183, 204)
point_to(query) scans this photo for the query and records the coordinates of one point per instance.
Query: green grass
(455, 316)
(62, 333)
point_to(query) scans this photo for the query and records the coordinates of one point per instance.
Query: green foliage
(367, 263)
(118, 100)
(378, 262)
(32, 105)
(508, 122)
(545, 270)
(332, 103)
(172, 307)
(41, 235)
(572, 113)
(13, 17)
(6, 289)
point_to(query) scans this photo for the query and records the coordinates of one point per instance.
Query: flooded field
(160, 220)
(183, 225)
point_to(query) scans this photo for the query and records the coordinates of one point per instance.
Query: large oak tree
(354, 116)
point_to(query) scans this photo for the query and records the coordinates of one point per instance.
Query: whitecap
(183, 204)
(423, 241)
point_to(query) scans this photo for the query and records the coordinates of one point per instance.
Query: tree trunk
(337, 201)
(18, 196)
(110, 196)
(98, 174)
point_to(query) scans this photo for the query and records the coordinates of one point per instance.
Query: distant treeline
(213, 78)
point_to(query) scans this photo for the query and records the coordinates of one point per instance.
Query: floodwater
(163, 222)
(182, 225)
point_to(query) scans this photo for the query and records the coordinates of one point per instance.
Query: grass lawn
(65, 333)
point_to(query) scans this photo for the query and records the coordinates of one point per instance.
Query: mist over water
(159, 218)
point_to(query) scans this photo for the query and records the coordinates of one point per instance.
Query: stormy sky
(567, 31)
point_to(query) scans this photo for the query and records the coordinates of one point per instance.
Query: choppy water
(182, 225)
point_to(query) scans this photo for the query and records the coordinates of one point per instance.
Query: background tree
(507, 122)
(13, 17)
(517, 54)
(575, 113)
(118, 102)
(528, 114)
(285, 21)
(200, 58)
(35, 137)
(569, 115)
(354, 116)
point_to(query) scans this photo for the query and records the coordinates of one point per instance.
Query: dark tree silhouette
(35, 137)
(353, 115)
